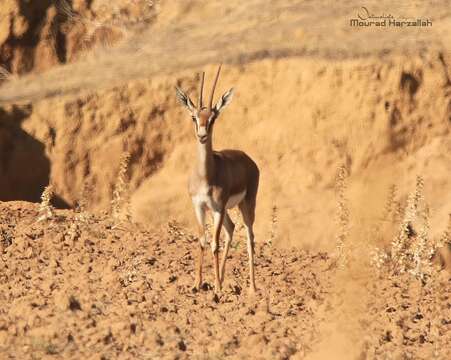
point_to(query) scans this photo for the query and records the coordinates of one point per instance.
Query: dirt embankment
(299, 118)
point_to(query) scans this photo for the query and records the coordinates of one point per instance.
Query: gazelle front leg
(250, 251)
(200, 215)
(229, 226)
(218, 218)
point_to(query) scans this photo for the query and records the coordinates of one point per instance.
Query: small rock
(74, 304)
(206, 286)
(216, 298)
(181, 345)
(151, 261)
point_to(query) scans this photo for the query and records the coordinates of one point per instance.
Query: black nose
(202, 138)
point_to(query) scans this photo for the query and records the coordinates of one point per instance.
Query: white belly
(200, 200)
(234, 200)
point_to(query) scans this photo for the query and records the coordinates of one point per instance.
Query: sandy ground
(126, 293)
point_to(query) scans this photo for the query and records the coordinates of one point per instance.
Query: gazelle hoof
(252, 291)
(196, 287)
(218, 288)
(216, 298)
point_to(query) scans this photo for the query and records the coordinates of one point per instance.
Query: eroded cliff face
(24, 167)
(387, 122)
(37, 35)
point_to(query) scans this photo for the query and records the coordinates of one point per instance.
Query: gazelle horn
(201, 90)
(210, 103)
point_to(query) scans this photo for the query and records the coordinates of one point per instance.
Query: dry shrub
(5, 75)
(447, 233)
(412, 249)
(393, 208)
(81, 209)
(111, 24)
(82, 216)
(273, 230)
(442, 256)
(384, 227)
(342, 216)
(446, 237)
(120, 204)
(102, 31)
(46, 211)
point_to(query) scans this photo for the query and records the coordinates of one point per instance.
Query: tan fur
(230, 172)
(217, 177)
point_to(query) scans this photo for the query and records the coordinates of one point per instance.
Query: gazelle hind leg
(218, 218)
(229, 226)
(248, 212)
(200, 216)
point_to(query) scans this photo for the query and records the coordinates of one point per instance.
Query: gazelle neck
(205, 163)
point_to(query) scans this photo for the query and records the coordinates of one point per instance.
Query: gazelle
(220, 180)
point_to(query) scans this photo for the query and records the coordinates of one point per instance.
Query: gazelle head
(204, 116)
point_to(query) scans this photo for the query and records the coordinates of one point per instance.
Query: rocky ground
(124, 291)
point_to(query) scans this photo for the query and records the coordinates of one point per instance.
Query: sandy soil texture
(125, 292)
(115, 292)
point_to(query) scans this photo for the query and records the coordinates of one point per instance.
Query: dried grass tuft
(379, 258)
(393, 207)
(390, 216)
(104, 31)
(82, 216)
(401, 244)
(5, 75)
(274, 222)
(46, 211)
(120, 204)
(446, 237)
(412, 249)
(342, 216)
(92, 27)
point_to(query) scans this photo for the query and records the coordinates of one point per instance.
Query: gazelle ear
(184, 99)
(224, 100)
